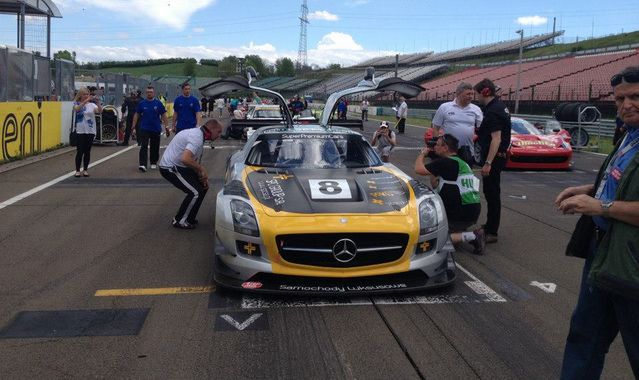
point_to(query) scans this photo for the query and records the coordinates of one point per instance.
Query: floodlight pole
(521, 48)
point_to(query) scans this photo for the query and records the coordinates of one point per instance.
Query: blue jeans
(598, 317)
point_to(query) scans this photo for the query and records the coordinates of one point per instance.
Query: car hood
(299, 192)
(535, 141)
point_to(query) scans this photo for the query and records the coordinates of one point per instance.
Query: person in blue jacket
(186, 110)
(152, 116)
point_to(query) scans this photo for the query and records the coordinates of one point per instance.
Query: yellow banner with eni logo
(28, 128)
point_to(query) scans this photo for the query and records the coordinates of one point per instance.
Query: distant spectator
(85, 108)
(152, 115)
(364, 107)
(186, 110)
(219, 103)
(341, 109)
(401, 115)
(256, 98)
(128, 108)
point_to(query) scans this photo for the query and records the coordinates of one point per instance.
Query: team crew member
(128, 107)
(181, 166)
(608, 300)
(494, 139)
(459, 118)
(150, 111)
(85, 107)
(205, 105)
(459, 189)
(186, 110)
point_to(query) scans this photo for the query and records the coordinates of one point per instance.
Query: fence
(25, 76)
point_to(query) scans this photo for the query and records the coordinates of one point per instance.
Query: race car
(311, 209)
(530, 148)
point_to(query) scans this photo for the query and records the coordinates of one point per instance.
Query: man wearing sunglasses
(608, 301)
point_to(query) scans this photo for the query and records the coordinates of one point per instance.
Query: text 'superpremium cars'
(312, 209)
(530, 149)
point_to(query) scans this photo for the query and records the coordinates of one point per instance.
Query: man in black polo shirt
(494, 139)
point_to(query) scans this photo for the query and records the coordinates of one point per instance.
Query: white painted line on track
(480, 288)
(37, 189)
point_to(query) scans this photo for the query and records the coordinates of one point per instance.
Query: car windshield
(312, 150)
(522, 127)
(267, 114)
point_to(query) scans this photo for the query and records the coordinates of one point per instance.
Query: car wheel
(579, 137)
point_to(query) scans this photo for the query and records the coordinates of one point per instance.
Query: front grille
(317, 249)
(539, 159)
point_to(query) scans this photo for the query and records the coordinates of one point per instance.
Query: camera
(431, 143)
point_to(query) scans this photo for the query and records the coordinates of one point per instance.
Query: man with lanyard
(150, 111)
(608, 300)
(459, 188)
(181, 165)
(460, 118)
(186, 110)
(494, 139)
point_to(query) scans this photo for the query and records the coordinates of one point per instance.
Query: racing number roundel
(329, 189)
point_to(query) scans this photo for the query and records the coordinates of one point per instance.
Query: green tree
(189, 67)
(227, 66)
(64, 54)
(284, 67)
(334, 66)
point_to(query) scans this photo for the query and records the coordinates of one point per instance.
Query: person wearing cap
(458, 187)
(607, 236)
(384, 140)
(181, 165)
(186, 110)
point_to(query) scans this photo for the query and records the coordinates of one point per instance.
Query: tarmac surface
(94, 282)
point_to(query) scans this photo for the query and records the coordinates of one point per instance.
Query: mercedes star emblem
(344, 250)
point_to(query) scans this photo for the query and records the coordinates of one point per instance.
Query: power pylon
(302, 56)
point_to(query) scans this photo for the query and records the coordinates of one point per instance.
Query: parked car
(312, 209)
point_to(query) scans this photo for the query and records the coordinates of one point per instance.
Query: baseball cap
(383, 124)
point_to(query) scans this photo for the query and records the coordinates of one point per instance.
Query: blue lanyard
(618, 154)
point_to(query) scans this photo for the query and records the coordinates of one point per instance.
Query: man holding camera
(385, 140)
(459, 188)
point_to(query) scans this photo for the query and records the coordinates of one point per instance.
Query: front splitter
(270, 283)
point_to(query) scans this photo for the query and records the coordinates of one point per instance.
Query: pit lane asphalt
(111, 231)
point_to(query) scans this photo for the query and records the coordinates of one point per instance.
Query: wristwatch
(487, 163)
(605, 207)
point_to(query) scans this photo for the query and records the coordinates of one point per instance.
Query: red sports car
(533, 147)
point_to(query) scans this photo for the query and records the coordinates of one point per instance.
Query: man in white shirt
(459, 118)
(364, 107)
(181, 166)
(402, 114)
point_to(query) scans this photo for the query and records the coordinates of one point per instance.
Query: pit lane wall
(31, 127)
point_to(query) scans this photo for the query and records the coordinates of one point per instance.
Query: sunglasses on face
(632, 77)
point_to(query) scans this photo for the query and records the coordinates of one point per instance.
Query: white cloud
(198, 30)
(323, 15)
(175, 14)
(334, 47)
(338, 41)
(532, 20)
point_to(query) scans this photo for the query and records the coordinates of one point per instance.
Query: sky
(339, 31)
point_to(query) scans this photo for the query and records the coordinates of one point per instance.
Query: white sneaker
(154, 166)
(142, 168)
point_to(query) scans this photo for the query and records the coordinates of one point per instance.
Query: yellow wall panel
(28, 127)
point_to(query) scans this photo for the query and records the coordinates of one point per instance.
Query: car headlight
(244, 220)
(428, 218)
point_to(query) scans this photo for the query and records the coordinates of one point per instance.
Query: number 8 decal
(329, 189)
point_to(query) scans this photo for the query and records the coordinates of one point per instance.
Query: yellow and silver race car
(312, 209)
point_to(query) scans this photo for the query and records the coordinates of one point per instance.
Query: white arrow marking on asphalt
(243, 325)
(547, 287)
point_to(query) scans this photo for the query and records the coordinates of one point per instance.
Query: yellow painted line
(154, 291)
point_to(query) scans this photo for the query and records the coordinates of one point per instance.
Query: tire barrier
(570, 112)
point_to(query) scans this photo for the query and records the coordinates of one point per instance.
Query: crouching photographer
(384, 140)
(458, 187)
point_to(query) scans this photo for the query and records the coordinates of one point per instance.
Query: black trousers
(365, 115)
(186, 179)
(144, 138)
(83, 151)
(401, 124)
(127, 131)
(492, 192)
(465, 154)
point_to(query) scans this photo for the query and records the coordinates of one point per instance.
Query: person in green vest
(458, 187)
